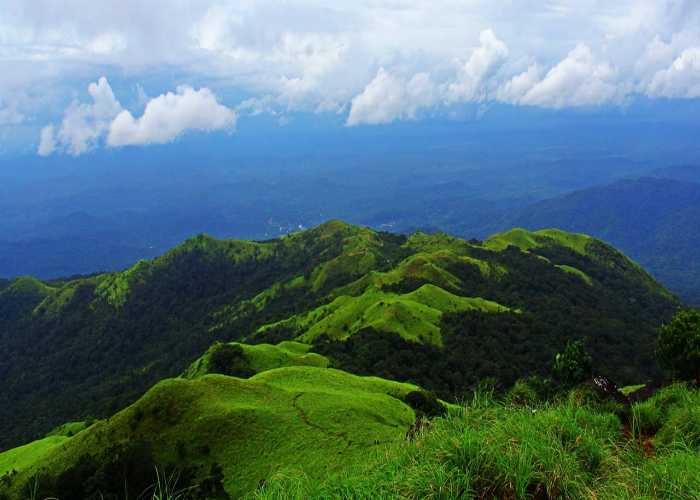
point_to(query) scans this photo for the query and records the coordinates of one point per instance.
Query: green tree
(678, 348)
(574, 365)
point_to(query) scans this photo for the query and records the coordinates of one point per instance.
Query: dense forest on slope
(498, 308)
(653, 220)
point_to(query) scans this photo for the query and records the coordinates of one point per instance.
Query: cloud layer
(378, 61)
(165, 118)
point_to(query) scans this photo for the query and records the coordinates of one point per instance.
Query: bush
(425, 404)
(522, 394)
(229, 359)
(678, 348)
(574, 365)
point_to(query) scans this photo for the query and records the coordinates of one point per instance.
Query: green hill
(655, 220)
(231, 433)
(414, 316)
(251, 359)
(433, 310)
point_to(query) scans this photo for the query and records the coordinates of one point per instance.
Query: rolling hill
(318, 419)
(432, 310)
(656, 221)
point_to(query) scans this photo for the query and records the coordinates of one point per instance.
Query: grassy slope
(415, 315)
(317, 420)
(262, 357)
(532, 241)
(573, 448)
(26, 456)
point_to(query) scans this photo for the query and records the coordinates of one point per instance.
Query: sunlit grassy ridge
(576, 272)
(261, 357)
(414, 316)
(527, 240)
(317, 420)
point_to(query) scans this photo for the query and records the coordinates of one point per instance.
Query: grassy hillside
(572, 448)
(222, 433)
(372, 303)
(654, 220)
(414, 316)
(251, 359)
(313, 433)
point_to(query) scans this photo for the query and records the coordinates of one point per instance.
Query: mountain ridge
(96, 344)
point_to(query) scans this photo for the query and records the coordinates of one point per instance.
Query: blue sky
(80, 76)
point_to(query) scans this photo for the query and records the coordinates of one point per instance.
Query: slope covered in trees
(77, 348)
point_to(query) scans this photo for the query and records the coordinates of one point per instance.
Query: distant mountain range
(656, 221)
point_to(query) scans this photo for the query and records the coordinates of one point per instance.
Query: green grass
(314, 420)
(262, 357)
(312, 433)
(527, 240)
(628, 390)
(576, 272)
(69, 429)
(29, 454)
(488, 449)
(414, 316)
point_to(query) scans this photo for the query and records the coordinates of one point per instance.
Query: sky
(80, 76)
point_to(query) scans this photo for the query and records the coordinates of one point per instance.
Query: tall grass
(576, 447)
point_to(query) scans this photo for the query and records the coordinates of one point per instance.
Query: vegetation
(654, 220)
(574, 365)
(220, 435)
(367, 302)
(569, 448)
(244, 360)
(679, 345)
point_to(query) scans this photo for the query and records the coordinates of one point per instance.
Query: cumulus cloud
(388, 98)
(165, 118)
(481, 65)
(317, 56)
(681, 79)
(47, 141)
(168, 116)
(578, 80)
(83, 123)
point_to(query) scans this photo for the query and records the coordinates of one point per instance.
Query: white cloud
(165, 118)
(9, 115)
(481, 65)
(47, 141)
(388, 98)
(168, 116)
(578, 80)
(681, 79)
(83, 124)
(319, 56)
(513, 90)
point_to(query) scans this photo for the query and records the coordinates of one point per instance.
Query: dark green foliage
(574, 365)
(678, 349)
(228, 359)
(425, 404)
(130, 472)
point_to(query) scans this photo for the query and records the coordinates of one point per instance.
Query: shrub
(574, 365)
(678, 347)
(229, 359)
(522, 394)
(425, 404)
